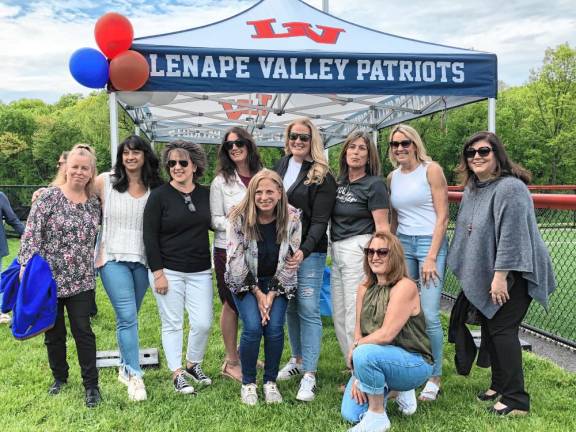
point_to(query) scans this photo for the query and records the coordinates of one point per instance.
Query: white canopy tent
(283, 59)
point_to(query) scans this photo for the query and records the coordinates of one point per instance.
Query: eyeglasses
(369, 252)
(229, 144)
(482, 151)
(189, 203)
(404, 143)
(293, 136)
(182, 163)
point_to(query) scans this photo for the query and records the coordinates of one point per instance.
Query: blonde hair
(413, 135)
(248, 211)
(319, 168)
(80, 150)
(396, 263)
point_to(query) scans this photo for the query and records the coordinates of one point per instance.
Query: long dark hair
(373, 162)
(150, 170)
(226, 166)
(504, 165)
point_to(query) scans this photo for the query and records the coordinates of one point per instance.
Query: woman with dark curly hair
(176, 224)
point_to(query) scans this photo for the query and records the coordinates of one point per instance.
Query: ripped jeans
(304, 322)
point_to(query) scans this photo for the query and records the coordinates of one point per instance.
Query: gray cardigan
(496, 230)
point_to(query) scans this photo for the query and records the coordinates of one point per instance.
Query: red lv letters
(264, 30)
(244, 107)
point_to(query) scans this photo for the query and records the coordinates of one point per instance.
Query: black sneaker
(198, 375)
(56, 387)
(93, 397)
(181, 385)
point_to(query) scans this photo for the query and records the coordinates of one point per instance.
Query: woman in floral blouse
(62, 228)
(264, 231)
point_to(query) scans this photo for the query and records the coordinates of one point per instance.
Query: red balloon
(114, 34)
(129, 71)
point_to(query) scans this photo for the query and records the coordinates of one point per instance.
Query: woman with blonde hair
(311, 188)
(263, 233)
(419, 198)
(62, 228)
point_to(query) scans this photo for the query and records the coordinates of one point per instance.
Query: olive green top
(412, 337)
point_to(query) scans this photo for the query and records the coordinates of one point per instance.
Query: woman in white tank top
(419, 203)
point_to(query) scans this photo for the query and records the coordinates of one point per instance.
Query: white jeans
(193, 291)
(347, 273)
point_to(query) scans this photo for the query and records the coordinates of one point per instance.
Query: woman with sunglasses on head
(176, 224)
(121, 257)
(62, 228)
(263, 233)
(419, 204)
(361, 208)
(502, 263)
(391, 350)
(311, 188)
(238, 161)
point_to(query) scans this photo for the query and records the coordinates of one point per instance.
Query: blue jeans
(415, 249)
(252, 332)
(379, 369)
(126, 284)
(303, 317)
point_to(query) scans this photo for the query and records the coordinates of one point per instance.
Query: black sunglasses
(369, 252)
(229, 144)
(173, 163)
(189, 203)
(482, 151)
(404, 143)
(293, 136)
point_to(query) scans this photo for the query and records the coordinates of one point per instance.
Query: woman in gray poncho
(501, 261)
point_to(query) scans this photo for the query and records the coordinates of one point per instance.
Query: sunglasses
(182, 163)
(293, 136)
(369, 252)
(229, 144)
(404, 143)
(189, 203)
(482, 152)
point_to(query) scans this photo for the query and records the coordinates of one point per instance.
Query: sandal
(224, 370)
(430, 392)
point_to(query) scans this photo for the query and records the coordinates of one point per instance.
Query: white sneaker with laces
(271, 393)
(406, 401)
(307, 390)
(372, 422)
(181, 385)
(123, 376)
(248, 394)
(290, 369)
(137, 389)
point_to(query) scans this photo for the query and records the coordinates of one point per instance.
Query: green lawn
(25, 406)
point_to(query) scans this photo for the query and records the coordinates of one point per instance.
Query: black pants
(501, 336)
(78, 308)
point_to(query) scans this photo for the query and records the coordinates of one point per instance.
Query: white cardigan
(223, 196)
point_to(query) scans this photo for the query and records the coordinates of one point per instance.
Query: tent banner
(200, 70)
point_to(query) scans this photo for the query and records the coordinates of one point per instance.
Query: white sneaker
(123, 376)
(306, 392)
(372, 422)
(137, 389)
(5, 318)
(271, 393)
(406, 401)
(290, 369)
(248, 394)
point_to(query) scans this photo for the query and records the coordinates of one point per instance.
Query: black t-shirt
(268, 250)
(175, 237)
(352, 213)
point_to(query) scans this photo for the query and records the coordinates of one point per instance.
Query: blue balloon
(89, 67)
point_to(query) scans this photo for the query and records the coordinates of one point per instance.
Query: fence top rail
(459, 188)
(547, 201)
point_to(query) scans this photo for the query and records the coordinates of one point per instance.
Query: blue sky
(38, 37)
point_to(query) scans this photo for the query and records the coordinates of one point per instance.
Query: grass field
(25, 405)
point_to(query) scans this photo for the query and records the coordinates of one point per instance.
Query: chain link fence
(558, 229)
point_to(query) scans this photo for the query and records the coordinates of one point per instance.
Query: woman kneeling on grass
(391, 350)
(264, 231)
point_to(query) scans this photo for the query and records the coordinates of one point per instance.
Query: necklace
(475, 201)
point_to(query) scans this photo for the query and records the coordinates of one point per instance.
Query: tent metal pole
(113, 108)
(325, 5)
(492, 115)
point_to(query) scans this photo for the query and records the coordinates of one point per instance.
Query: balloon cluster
(127, 70)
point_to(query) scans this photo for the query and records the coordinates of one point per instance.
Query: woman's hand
(160, 282)
(263, 305)
(349, 364)
(429, 273)
(358, 395)
(21, 274)
(294, 261)
(499, 288)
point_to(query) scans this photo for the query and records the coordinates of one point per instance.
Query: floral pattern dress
(64, 234)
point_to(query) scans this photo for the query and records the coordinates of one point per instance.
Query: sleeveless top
(122, 225)
(412, 337)
(411, 197)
